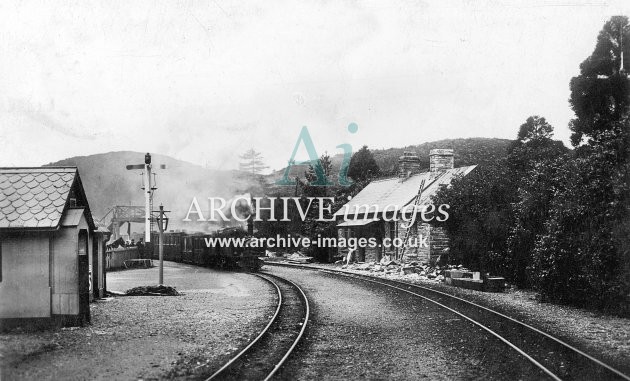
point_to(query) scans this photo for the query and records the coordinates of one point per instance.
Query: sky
(203, 81)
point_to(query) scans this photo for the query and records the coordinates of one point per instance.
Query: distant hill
(468, 151)
(108, 183)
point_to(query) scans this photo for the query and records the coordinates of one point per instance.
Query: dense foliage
(600, 94)
(362, 165)
(480, 217)
(582, 256)
(552, 219)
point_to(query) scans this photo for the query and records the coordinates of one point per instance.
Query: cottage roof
(395, 193)
(36, 198)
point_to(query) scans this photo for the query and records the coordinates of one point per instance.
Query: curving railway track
(554, 357)
(264, 356)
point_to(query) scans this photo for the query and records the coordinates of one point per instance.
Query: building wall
(366, 254)
(342, 233)
(417, 232)
(65, 291)
(372, 254)
(100, 275)
(389, 233)
(65, 296)
(435, 238)
(439, 242)
(25, 285)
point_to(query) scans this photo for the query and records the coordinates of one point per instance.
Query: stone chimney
(441, 160)
(408, 164)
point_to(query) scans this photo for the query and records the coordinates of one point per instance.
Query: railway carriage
(197, 249)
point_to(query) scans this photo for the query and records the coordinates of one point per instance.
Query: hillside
(108, 183)
(467, 152)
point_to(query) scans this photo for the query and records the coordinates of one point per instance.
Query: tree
(480, 217)
(582, 256)
(601, 93)
(324, 164)
(533, 160)
(499, 209)
(362, 165)
(535, 129)
(251, 162)
(312, 227)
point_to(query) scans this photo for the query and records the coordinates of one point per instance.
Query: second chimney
(408, 164)
(441, 160)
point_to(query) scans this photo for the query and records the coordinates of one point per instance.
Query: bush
(480, 217)
(582, 257)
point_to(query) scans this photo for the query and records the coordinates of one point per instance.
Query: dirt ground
(604, 336)
(147, 337)
(361, 331)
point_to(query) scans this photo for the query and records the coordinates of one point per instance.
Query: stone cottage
(377, 210)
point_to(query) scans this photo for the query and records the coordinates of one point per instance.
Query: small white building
(48, 246)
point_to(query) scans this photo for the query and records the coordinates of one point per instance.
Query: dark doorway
(95, 269)
(84, 277)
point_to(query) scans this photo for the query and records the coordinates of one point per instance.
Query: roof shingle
(395, 193)
(34, 197)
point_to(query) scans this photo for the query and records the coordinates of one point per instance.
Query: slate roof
(396, 193)
(35, 197)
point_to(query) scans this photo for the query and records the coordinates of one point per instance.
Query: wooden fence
(115, 258)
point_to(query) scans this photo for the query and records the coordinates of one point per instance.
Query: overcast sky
(203, 81)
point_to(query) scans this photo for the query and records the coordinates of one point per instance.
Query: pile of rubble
(411, 270)
(159, 290)
(299, 258)
(296, 257)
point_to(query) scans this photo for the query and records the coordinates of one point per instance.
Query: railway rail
(558, 359)
(264, 356)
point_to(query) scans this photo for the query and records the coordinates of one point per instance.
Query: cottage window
(392, 229)
(72, 199)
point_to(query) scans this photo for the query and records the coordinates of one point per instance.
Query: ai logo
(322, 180)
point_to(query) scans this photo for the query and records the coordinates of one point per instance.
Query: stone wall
(372, 254)
(341, 251)
(438, 242)
(391, 251)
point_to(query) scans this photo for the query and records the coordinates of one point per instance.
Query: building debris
(159, 290)
(298, 257)
(453, 275)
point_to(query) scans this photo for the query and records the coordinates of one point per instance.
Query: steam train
(193, 248)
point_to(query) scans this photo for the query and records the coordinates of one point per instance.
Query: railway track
(553, 356)
(264, 356)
